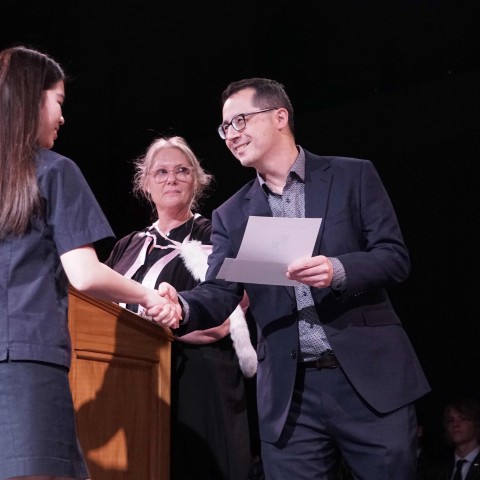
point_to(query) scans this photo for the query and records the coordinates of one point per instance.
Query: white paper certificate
(269, 246)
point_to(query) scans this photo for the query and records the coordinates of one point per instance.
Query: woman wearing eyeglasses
(209, 428)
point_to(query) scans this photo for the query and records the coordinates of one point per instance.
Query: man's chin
(244, 160)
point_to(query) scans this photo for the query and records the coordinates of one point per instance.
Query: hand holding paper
(269, 246)
(315, 271)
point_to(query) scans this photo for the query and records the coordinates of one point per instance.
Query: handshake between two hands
(164, 308)
(167, 312)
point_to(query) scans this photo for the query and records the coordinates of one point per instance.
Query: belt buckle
(327, 360)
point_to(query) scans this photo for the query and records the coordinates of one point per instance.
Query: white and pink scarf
(194, 255)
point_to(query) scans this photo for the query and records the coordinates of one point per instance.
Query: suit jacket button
(293, 354)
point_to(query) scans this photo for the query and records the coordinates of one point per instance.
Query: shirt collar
(298, 168)
(470, 457)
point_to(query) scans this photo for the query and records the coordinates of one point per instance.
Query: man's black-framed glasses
(239, 123)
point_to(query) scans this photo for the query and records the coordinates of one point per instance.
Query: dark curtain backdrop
(396, 82)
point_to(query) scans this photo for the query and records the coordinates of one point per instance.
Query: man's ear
(282, 116)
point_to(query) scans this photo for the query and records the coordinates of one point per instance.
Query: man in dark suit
(336, 370)
(461, 419)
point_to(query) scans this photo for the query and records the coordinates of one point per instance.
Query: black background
(396, 82)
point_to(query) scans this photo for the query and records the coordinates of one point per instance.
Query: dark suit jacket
(360, 228)
(443, 470)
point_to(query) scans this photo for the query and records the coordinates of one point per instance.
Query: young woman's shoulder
(49, 160)
(57, 173)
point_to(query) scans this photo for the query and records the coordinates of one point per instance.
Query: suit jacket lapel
(258, 206)
(318, 179)
(258, 203)
(317, 188)
(474, 470)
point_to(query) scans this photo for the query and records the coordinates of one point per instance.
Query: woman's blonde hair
(143, 165)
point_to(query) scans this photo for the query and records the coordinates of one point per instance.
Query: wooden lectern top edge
(124, 314)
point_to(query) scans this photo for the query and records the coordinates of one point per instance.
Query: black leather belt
(327, 360)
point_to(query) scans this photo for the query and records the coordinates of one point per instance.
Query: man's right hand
(167, 313)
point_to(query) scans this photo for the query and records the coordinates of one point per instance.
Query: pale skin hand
(88, 275)
(315, 271)
(163, 310)
(170, 313)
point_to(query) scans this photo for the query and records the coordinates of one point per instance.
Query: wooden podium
(120, 381)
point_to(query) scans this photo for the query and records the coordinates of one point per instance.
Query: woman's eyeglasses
(181, 173)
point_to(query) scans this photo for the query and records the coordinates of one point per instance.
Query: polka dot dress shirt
(291, 203)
